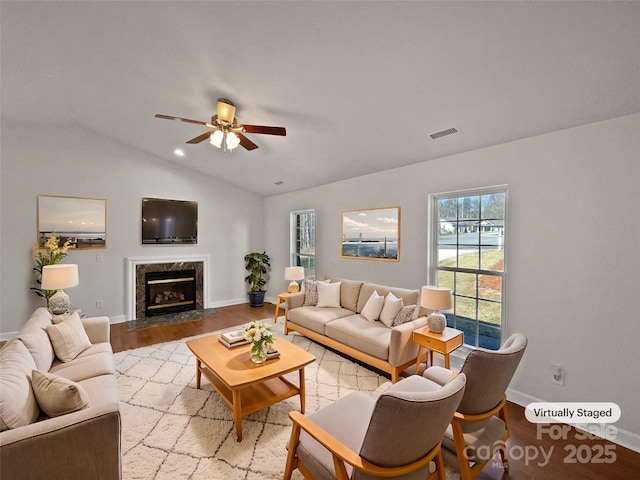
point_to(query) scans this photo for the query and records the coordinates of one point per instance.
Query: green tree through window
(468, 241)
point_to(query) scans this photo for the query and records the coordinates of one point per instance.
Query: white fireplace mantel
(130, 281)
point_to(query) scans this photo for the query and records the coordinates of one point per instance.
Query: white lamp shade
(216, 138)
(58, 277)
(232, 140)
(436, 298)
(294, 273)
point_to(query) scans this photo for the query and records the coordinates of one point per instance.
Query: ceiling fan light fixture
(226, 110)
(232, 141)
(224, 140)
(216, 138)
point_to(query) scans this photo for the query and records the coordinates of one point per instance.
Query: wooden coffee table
(245, 386)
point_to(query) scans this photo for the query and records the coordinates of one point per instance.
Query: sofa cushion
(102, 389)
(315, 318)
(328, 294)
(406, 314)
(56, 395)
(409, 297)
(373, 307)
(37, 342)
(392, 305)
(349, 292)
(86, 365)
(18, 405)
(41, 317)
(68, 338)
(359, 333)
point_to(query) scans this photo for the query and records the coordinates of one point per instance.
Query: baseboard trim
(624, 438)
(228, 303)
(5, 337)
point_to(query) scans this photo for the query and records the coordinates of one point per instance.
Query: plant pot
(256, 299)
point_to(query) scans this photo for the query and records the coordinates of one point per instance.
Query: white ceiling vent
(444, 133)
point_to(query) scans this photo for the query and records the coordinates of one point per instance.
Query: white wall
(38, 159)
(573, 263)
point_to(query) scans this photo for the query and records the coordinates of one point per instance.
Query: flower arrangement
(260, 335)
(51, 254)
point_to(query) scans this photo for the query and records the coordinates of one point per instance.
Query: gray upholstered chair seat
(362, 437)
(481, 440)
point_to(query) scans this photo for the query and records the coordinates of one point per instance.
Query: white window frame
(294, 254)
(432, 250)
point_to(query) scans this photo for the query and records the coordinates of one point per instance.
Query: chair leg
(505, 460)
(292, 460)
(461, 449)
(440, 465)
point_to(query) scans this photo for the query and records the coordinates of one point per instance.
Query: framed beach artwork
(371, 234)
(81, 220)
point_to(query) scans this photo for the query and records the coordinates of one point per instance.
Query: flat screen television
(169, 221)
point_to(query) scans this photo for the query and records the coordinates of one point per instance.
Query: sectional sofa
(59, 408)
(344, 320)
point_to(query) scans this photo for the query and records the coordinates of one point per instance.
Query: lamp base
(436, 322)
(59, 303)
(293, 287)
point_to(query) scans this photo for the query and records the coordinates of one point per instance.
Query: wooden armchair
(480, 427)
(393, 434)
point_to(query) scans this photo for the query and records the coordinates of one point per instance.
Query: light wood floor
(525, 441)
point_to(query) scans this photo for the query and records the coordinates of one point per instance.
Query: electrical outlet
(557, 375)
(99, 304)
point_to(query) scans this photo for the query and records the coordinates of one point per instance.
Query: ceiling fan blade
(169, 117)
(201, 138)
(266, 130)
(246, 143)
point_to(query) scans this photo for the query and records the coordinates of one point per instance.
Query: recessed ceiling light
(178, 152)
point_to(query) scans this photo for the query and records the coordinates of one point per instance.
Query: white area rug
(171, 430)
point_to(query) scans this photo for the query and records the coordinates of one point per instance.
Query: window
(468, 232)
(303, 241)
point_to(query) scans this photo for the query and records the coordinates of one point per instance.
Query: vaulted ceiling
(359, 86)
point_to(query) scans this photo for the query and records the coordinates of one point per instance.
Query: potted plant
(257, 264)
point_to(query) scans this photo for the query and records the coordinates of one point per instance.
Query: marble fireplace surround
(136, 267)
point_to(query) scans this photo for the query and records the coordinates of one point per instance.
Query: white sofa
(80, 444)
(345, 329)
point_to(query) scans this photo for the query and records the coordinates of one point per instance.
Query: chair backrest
(406, 425)
(489, 373)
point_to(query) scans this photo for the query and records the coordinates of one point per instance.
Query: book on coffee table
(234, 338)
(272, 353)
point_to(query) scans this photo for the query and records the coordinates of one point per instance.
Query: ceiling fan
(226, 133)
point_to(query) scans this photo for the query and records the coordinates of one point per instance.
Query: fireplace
(167, 268)
(169, 292)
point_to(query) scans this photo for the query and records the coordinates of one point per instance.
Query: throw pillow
(406, 314)
(392, 306)
(56, 395)
(18, 404)
(329, 294)
(373, 307)
(69, 338)
(310, 288)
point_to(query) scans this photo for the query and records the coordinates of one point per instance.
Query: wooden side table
(279, 299)
(443, 343)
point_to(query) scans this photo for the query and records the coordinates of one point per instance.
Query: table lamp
(59, 277)
(294, 274)
(436, 298)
